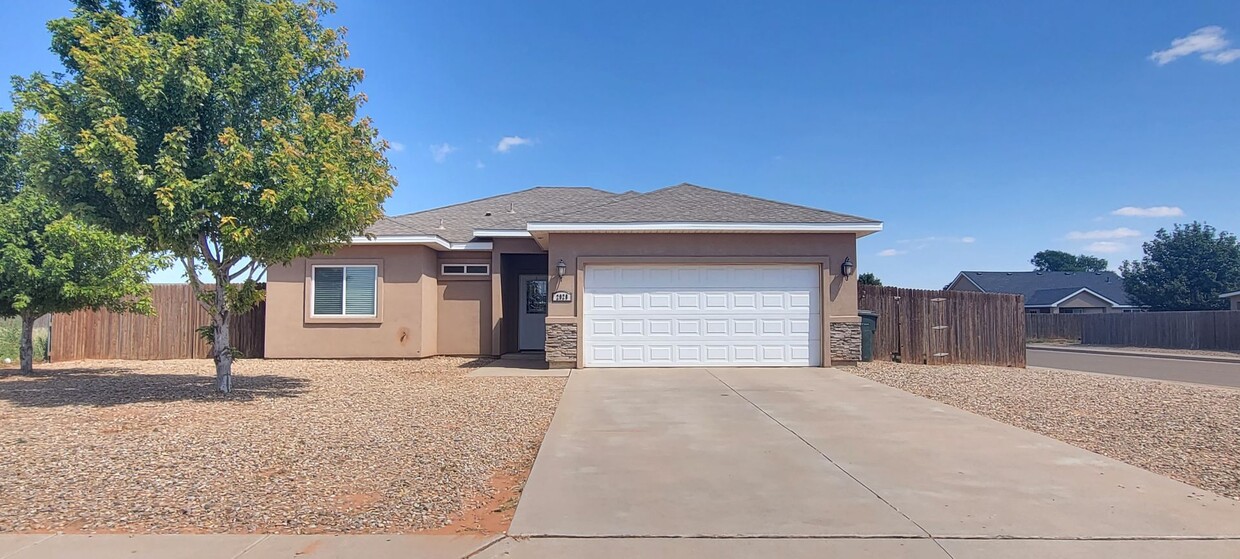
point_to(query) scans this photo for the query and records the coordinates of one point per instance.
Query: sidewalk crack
(27, 546)
(251, 546)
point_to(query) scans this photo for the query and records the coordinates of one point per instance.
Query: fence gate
(939, 336)
(942, 327)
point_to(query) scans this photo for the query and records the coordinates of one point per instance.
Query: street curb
(1121, 353)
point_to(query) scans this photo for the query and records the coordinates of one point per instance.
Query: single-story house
(1053, 292)
(682, 276)
(1233, 298)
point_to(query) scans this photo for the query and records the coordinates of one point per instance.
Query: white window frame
(486, 269)
(344, 289)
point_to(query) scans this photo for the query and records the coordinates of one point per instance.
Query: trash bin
(869, 323)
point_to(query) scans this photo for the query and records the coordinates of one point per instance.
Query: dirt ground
(299, 447)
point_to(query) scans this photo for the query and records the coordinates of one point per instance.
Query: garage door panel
(702, 315)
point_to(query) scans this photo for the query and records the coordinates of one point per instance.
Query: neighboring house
(1233, 299)
(1053, 292)
(683, 276)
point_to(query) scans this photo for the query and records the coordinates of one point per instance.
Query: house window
(465, 270)
(344, 291)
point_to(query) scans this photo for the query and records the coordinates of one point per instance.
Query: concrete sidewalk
(1102, 350)
(498, 547)
(187, 546)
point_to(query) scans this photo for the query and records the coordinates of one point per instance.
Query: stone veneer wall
(562, 343)
(845, 341)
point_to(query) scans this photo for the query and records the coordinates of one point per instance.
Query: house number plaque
(561, 297)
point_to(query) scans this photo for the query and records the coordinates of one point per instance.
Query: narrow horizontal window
(465, 269)
(344, 291)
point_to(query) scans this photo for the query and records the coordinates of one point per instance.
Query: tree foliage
(869, 278)
(1185, 269)
(1060, 261)
(51, 261)
(225, 132)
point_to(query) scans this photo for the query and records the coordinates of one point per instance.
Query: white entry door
(683, 316)
(532, 325)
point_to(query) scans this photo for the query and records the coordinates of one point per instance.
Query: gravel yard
(299, 447)
(1187, 432)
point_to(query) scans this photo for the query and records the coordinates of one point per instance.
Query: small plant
(10, 337)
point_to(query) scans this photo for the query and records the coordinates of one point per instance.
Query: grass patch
(10, 340)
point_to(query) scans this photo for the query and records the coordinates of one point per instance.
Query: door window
(536, 297)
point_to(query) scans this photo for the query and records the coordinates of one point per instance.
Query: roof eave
(433, 241)
(860, 229)
(1082, 290)
(501, 233)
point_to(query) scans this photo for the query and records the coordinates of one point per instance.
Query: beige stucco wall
(962, 284)
(464, 317)
(1086, 300)
(419, 314)
(578, 250)
(407, 277)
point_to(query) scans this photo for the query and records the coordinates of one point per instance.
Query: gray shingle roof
(1045, 288)
(688, 203)
(683, 203)
(456, 223)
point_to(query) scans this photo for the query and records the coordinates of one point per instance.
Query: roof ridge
(496, 196)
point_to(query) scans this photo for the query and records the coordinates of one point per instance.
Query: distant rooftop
(1045, 288)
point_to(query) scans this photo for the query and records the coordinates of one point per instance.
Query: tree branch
(244, 270)
(191, 273)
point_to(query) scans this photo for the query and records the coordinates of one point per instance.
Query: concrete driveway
(806, 462)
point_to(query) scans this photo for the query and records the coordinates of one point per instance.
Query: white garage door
(680, 316)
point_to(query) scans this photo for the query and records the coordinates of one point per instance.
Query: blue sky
(979, 132)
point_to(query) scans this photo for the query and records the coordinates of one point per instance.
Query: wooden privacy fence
(1169, 330)
(941, 327)
(1046, 326)
(171, 333)
(1172, 330)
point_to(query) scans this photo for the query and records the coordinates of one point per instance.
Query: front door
(532, 327)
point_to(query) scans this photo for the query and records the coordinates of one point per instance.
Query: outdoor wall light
(847, 267)
(560, 268)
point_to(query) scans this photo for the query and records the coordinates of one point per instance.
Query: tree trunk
(26, 346)
(221, 348)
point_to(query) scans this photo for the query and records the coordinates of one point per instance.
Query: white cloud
(1117, 233)
(1153, 211)
(1105, 246)
(1223, 57)
(396, 146)
(968, 240)
(478, 164)
(439, 152)
(508, 142)
(891, 252)
(1210, 42)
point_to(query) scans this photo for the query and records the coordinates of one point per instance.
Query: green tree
(224, 132)
(869, 278)
(1060, 261)
(1185, 269)
(53, 262)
